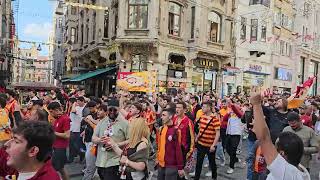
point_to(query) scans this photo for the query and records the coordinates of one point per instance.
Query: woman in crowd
(134, 157)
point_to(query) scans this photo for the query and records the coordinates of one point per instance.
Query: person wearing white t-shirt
(284, 157)
(76, 118)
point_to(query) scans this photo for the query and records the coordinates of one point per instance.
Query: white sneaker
(192, 174)
(206, 165)
(230, 171)
(208, 174)
(223, 163)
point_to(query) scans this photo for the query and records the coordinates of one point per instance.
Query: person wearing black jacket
(86, 129)
(247, 119)
(276, 117)
(194, 100)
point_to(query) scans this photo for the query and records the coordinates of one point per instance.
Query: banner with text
(137, 81)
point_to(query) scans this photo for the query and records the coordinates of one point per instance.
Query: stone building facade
(186, 42)
(7, 31)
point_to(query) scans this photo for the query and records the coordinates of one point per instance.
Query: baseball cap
(293, 116)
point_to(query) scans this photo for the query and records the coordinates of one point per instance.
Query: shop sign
(206, 63)
(178, 67)
(256, 68)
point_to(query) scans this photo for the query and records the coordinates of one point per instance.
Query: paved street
(239, 173)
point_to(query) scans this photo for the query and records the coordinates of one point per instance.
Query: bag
(191, 162)
(203, 131)
(93, 149)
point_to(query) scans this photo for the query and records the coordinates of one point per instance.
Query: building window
(38, 78)
(193, 16)
(87, 30)
(277, 17)
(106, 24)
(282, 48)
(73, 35)
(115, 22)
(174, 18)
(139, 63)
(301, 70)
(60, 23)
(214, 23)
(254, 30)
(94, 26)
(138, 14)
(263, 32)
(73, 10)
(263, 2)
(243, 30)
(82, 34)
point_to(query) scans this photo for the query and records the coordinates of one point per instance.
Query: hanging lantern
(39, 48)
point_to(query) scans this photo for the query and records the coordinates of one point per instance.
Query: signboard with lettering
(255, 68)
(206, 63)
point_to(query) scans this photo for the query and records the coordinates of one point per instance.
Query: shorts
(59, 158)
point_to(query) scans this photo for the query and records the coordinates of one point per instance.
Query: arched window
(138, 14)
(215, 26)
(174, 19)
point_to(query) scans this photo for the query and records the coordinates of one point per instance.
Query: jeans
(220, 152)
(250, 159)
(232, 143)
(74, 145)
(90, 163)
(202, 151)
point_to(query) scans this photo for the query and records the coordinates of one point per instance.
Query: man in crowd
(207, 139)
(169, 156)
(277, 117)
(284, 158)
(87, 127)
(76, 118)
(115, 126)
(11, 103)
(308, 136)
(185, 125)
(29, 151)
(5, 130)
(61, 127)
(33, 95)
(194, 100)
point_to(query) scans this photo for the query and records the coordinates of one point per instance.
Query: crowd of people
(119, 136)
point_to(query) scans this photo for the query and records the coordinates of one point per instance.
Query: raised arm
(261, 129)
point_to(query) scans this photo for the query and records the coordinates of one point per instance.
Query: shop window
(214, 23)
(254, 29)
(176, 62)
(243, 30)
(138, 14)
(139, 63)
(174, 19)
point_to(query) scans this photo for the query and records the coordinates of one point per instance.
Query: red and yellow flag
(297, 98)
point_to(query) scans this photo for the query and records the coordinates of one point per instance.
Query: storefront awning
(91, 74)
(257, 73)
